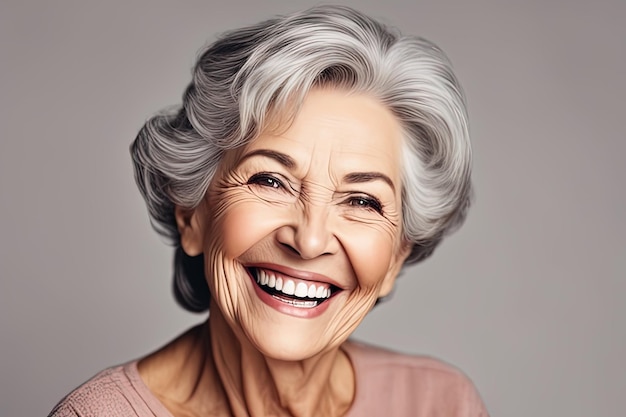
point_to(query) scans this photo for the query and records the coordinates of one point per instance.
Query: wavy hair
(248, 74)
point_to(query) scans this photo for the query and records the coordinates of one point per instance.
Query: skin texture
(321, 196)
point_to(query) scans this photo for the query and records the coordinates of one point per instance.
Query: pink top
(387, 384)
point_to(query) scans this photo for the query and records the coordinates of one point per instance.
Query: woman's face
(301, 229)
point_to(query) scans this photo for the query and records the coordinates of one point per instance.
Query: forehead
(349, 131)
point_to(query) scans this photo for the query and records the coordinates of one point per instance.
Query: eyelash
(370, 203)
(266, 179)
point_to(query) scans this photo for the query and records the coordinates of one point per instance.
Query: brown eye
(367, 203)
(266, 180)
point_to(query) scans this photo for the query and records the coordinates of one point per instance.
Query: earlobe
(190, 230)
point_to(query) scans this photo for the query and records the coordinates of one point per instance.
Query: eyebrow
(360, 177)
(280, 157)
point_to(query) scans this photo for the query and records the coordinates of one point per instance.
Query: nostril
(304, 241)
(295, 251)
(290, 248)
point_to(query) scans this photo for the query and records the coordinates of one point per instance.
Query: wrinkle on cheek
(373, 221)
(228, 286)
(225, 205)
(224, 290)
(387, 224)
(359, 304)
(258, 251)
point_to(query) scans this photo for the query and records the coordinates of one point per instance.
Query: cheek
(244, 224)
(370, 251)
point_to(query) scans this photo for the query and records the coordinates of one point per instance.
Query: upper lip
(295, 273)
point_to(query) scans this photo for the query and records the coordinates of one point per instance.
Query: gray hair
(251, 73)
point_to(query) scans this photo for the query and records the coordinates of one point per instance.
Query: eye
(265, 179)
(368, 203)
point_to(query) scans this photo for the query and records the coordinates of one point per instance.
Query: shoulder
(419, 385)
(384, 360)
(112, 392)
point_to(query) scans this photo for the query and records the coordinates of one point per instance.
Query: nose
(310, 235)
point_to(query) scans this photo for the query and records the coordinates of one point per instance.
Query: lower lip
(302, 312)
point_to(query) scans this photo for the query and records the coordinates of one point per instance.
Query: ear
(394, 268)
(190, 229)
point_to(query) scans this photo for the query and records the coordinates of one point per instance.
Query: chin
(291, 347)
(284, 337)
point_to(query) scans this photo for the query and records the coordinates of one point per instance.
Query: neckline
(154, 404)
(159, 409)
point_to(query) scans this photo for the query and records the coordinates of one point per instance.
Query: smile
(294, 292)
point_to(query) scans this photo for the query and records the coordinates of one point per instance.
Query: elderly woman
(313, 157)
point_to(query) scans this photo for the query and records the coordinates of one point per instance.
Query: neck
(259, 386)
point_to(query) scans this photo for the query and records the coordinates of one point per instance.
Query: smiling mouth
(292, 291)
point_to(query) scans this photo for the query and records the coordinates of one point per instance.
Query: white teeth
(320, 292)
(289, 287)
(301, 290)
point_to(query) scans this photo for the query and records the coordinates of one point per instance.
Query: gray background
(527, 298)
